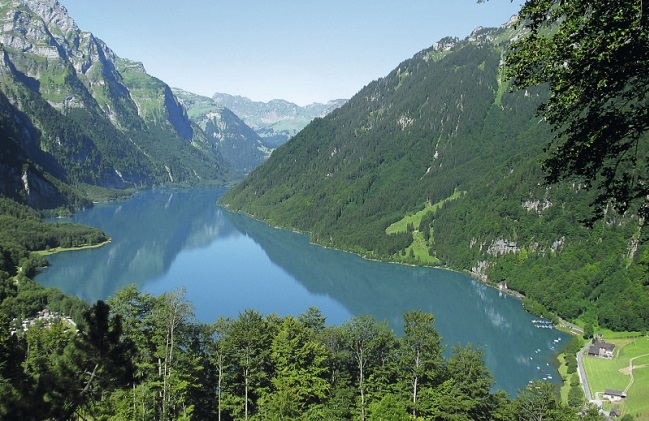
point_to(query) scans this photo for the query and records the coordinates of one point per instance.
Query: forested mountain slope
(73, 112)
(442, 129)
(411, 137)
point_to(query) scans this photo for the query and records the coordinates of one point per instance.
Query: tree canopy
(594, 56)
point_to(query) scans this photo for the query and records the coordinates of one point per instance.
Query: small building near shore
(614, 395)
(601, 349)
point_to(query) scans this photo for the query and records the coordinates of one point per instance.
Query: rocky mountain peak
(43, 28)
(39, 27)
(53, 13)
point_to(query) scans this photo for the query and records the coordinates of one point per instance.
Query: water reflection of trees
(147, 232)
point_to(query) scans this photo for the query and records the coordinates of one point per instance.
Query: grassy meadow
(616, 374)
(417, 252)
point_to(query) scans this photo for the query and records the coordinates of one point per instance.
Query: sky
(304, 51)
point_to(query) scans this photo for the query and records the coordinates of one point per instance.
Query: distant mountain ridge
(74, 113)
(240, 145)
(278, 120)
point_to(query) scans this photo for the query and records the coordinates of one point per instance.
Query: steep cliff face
(75, 110)
(26, 170)
(154, 100)
(27, 184)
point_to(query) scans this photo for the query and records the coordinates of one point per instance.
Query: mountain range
(240, 145)
(74, 114)
(247, 131)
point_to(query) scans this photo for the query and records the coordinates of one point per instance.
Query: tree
(387, 409)
(248, 344)
(217, 353)
(54, 371)
(366, 339)
(471, 381)
(313, 319)
(101, 360)
(421, 352)
(11, 357)
(589, 331)
(576, 396)
(51, 378)
(171, 313)
(340, 378)
(139, 326)
(538, 401)
(301, 371)
(594, 55)
(592, 413)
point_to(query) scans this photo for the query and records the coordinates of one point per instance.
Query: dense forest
(22, 231)
(144, 357)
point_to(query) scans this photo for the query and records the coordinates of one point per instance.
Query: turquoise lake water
(227, 263)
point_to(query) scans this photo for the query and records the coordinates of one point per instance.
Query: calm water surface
(227, 263)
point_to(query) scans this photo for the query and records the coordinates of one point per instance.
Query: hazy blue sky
(301, 50)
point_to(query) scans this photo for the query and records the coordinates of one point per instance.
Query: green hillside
(443, 125)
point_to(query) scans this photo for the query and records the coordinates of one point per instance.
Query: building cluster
(44, 318)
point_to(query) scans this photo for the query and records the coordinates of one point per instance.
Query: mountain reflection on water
(227, 263)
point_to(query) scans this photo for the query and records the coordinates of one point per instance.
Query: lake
(168, 239)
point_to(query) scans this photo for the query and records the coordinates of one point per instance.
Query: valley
(447, 165)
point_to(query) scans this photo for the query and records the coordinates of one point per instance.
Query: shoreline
(510, 292)
(57, 250)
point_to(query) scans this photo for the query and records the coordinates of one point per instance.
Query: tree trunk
(246, 393)
(415, 384)
(220, 381)
(75, 403)
(414, 396)
(361, 382)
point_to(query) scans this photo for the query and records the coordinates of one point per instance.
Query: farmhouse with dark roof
(601, 349)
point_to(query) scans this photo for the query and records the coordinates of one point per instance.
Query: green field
(55, 250)
(401, 225)
(417, 252)
(615, 374)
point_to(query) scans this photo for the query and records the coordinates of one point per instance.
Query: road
(582, 373)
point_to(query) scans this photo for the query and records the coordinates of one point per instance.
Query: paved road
(571, 326)
(582, 373)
